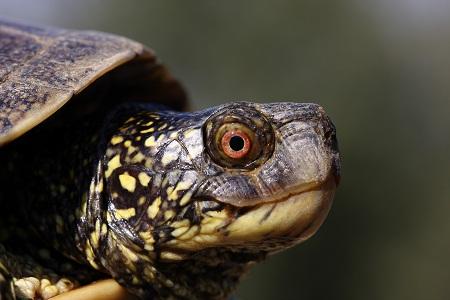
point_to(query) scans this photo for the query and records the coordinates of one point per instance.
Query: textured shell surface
(41, 68)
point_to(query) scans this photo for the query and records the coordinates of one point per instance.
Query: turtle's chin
(284, 223)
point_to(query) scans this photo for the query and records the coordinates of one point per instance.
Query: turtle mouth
(293, 217)
(277, 223)
(292, 193)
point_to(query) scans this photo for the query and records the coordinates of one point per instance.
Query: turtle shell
(42, 68)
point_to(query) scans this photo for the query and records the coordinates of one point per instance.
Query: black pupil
(237, 143)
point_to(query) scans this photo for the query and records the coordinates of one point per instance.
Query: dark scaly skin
(143, 195)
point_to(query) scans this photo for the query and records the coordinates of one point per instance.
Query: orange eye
(236, 144)
(238, 137)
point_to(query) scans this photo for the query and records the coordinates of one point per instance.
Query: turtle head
(197, 196)
(275, 177)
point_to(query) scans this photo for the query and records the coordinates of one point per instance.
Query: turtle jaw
(270, 226)
(285, 222)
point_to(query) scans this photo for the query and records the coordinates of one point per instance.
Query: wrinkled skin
(164, 203)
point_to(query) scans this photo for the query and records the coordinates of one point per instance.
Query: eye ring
(236, 144)
(237, 136)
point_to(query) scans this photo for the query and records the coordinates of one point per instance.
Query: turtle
(107, 173)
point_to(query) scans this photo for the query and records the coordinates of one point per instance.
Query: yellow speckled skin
(149, 196)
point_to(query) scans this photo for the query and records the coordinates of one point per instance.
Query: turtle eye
(238, 139)
(236, 144)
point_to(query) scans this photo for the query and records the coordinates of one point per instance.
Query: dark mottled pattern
(57, 63)
(19, 94)
(14, 50)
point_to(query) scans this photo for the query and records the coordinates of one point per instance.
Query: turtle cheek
(301, 158)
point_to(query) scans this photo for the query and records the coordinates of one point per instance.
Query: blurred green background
(380, 68)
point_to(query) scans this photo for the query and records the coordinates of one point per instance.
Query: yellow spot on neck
(169, 214)
(161, 137)
(125, 213)
(194, 230)
(130, 255)
(147, 236)
(144, 179)
(90, 256)
(153, 209)
(127, 144)
(166, 255)
(128, 182)
(141, 200)
(150, 142)
(148, 239)
(94, 239)
(182, 185)
(99, 187)
(135, 280)
(149, 273)
(151, 129)
(180, 230)
(179, 224)
(108, 217)
(104, 229)
(116, 140)
(113, 164)
(148, 162)
(139, 157)
(186, 198)
(169, 190)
